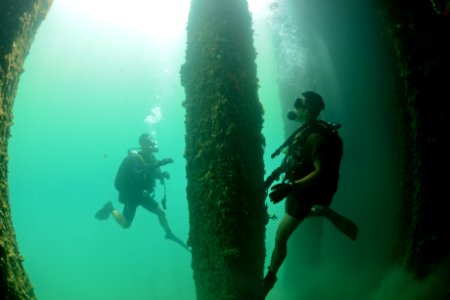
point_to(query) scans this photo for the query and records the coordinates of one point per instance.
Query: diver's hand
(267, 184)
(165, 175)
(279, 192)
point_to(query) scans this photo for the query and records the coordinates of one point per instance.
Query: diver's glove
(165, 175)
(279, 192)
(274, 176)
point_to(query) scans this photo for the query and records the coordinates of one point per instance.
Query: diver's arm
(317, 144)
(312, 178)
(159, 174)
(158, 164)
(163, 162)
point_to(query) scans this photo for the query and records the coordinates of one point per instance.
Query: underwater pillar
(423, 73)
(224, 150)
(19, 21)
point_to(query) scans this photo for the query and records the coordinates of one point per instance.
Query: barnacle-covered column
(417, 31)
(224, 150)
(19, 20)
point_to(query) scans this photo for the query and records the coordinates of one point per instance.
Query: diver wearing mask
(310, 171)
(135, 181)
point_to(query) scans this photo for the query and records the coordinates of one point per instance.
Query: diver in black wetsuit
(135, 182)
(311, 173)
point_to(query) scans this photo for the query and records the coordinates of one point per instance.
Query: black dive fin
(172, 237)
(104, 212)
(343, 224)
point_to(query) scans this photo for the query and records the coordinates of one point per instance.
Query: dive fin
(104, 212)
(172, 237)
(343, 224)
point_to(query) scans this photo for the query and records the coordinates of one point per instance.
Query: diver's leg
(153, 206)
(163, 220)
(285, 229)
(287, 226)
(120, 219)
(165, 224)
(125, 218)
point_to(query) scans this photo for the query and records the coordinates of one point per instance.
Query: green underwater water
(89, 83)
(86, 90)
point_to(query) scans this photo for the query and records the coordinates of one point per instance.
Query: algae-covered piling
(224, 150)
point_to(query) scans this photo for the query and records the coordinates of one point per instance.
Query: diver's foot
(105, 211)
(263, 288)
(173, 237)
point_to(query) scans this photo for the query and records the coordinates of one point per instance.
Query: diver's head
(148, 143)
(307, 107)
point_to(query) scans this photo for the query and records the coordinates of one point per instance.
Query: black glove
(165, 175)
(279, 192)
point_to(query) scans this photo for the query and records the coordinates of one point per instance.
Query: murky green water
(93, 76)
(89, 83)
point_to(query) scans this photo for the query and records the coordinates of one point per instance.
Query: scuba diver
(311, 171)
(135, 181)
